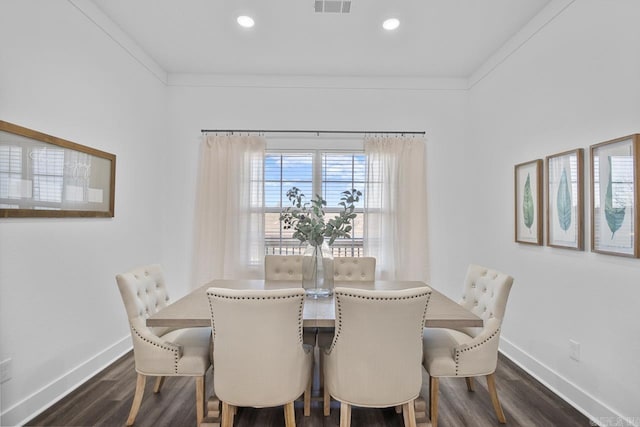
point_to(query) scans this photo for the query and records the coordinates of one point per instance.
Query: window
(10, 174)
(48, 174)
(327, 173)
(59, 178)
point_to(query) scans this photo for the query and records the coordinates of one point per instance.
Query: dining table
(192, 310)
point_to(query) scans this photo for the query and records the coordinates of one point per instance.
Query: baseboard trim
(598, 412)
(25, 410)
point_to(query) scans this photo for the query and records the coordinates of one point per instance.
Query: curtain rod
(318, 132)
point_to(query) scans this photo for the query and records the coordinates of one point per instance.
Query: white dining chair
(161, 352)
(258, 354)
(283, 267)
(354, 269)
(345, 269)
(375, 358)
(470, 352)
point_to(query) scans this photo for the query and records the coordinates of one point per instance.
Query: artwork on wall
(45, 176)
(528, 199)
(614, 196)
(564, 200)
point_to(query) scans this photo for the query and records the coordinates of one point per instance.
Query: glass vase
(317, 271)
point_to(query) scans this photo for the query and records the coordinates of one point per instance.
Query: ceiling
(436, 38)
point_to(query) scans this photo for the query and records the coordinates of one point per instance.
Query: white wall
(574, 84)
(61, 317)
(191, 108)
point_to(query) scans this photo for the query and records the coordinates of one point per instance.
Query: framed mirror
(45, 176)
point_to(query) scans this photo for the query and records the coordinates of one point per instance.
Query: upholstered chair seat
(375, 359)
(470, 352)
(161, 352)
(194, 346)
(258, 354)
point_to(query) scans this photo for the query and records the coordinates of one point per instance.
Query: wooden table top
(193, 309)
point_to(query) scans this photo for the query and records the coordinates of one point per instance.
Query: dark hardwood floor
(105, 400)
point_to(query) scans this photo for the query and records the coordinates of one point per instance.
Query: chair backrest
(375, 358)
(485, 294)
(283, 267)
(258, 355)
(354, 269)
(144, 292)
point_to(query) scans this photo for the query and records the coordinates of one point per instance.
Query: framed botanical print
(614, 196)
(528, 202)
(564, 200)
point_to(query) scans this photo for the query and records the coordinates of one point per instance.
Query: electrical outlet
(574, 350)
(5, 370)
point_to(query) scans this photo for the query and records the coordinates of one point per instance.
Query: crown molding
(515, 43)
(316, 82)
(111, 29)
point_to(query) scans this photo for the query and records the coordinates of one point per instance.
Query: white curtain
(229, 235)
(396, 206)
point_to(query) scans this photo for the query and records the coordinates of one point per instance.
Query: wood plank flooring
(105, 400)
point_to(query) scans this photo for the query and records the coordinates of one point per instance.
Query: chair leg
(227, 415)
(320, 367)
(307, 397)
(289, 415)
(326, 401)
(469, 381)
(137, 399)
(200, 386)
(433, 401)
(399, 409)
(158, 384)
(491, 385)
(345, 415)
(409, 414)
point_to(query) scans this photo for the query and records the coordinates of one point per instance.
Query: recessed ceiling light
(391, 24)
(245, 21)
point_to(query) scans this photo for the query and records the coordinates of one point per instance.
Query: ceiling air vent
(333, 6)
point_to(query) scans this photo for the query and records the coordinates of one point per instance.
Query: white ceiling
(436, 38)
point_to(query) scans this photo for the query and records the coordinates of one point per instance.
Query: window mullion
(317, 173)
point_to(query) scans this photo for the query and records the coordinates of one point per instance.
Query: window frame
(354, 246)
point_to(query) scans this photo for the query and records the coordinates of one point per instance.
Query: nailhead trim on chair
(213, 322)
(175, 349)
(339, 308)
(339, 329)
(424, 315)
(459, 351)
(300, 310)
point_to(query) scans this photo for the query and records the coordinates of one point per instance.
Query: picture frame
(614, 196)
(49, 177)
(528, 202)
(565, 202)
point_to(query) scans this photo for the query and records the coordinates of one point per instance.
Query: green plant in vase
(307, 219)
